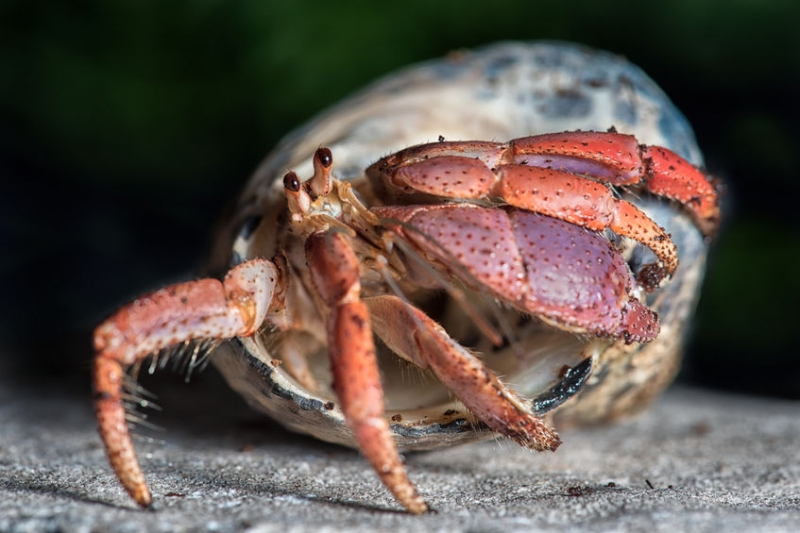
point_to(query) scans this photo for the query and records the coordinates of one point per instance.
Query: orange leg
(204, 309)
(356, 380)
(412, 335)
(620, 160)
(673, 177)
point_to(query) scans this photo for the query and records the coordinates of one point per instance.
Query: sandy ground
(698, 460)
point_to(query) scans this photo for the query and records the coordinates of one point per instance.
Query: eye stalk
(320, 183)
(299, 195)
(298, 199)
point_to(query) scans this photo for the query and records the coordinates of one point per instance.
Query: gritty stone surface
(698, 460)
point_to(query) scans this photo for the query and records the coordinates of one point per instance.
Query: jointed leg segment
(200, 309)
(356, 380)
(415, 337)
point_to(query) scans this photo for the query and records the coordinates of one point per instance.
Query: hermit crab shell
(498, 93)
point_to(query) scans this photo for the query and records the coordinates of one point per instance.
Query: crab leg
(611, 157)
(671, 176)
(351, 349)
(409, 332)
(620, 160)
(201, 309)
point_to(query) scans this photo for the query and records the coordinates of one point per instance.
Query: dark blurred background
(126, 126)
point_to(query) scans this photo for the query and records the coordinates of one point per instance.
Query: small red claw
(447, 175)
(489, 153)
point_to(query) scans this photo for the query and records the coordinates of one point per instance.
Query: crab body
(555, 256)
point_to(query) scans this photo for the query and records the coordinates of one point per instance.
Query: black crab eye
(325, 157)
(291, 182)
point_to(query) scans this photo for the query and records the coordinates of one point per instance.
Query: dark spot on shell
(236, 259)
(249, 226)
(566, 103)
(596, 83)
(571, 382)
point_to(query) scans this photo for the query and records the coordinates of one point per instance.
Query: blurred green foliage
(125, 125)
(179, 89)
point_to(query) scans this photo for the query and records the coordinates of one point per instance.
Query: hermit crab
(486, 245)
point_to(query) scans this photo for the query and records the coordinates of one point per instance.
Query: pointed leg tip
(417, 506)
(144, 499)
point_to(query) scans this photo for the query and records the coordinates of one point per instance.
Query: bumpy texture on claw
(540, 265)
